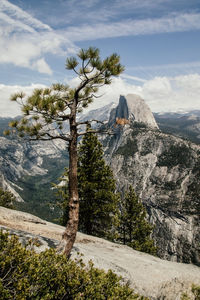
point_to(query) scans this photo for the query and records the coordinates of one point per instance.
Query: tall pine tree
(134, 229)
(50, 108)
(98, 199)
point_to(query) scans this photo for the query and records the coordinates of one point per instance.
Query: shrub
(6, 199)
(26, 275)
(196, 293)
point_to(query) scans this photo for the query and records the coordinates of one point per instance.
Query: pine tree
(62, 195)
(49, 108)
(98, 200)
(135, 231)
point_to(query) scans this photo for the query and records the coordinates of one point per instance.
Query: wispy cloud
(126, 76)
(169, 70)
(21, 16)
(104, 11)
(193, 64)
(172, 23)
(24, 40)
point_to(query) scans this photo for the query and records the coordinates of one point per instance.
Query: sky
(158, 42)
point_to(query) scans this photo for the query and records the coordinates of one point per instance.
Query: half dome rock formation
(133, 108)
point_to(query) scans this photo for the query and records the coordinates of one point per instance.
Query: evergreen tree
(98, 200)
(7, 199)
(49, 108)
(62, 195)
(134, 229)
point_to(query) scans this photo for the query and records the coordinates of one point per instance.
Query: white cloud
(20, 15)
(173, 93)
(18, 51)
(162, 94)
(41, 66)
(8, 22)
(12, 109)
(24, 40)
(159, 87)
(189, 82)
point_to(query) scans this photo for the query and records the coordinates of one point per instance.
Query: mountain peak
(133, 108)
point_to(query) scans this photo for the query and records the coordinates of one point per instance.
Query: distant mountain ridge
(186, 125)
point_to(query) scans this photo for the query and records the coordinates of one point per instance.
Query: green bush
(196, 293)
(26, 275)
(6, 199)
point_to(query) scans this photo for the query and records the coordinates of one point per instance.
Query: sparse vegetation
(175, 155)
(27, 275)
(129, 149)
(135, 231)
(196, 293)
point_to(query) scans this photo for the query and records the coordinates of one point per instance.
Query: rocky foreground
(148, 275)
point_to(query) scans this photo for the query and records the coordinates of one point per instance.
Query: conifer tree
(98, 199)
(62, 195)
(7, 199)
(46, 110)
(135, 231)
(99, 202)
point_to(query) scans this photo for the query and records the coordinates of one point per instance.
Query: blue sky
(158, 41)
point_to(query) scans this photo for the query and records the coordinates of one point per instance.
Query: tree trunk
(69, 235)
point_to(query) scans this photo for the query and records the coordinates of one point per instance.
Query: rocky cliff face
(24, 159)
(165, 172)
